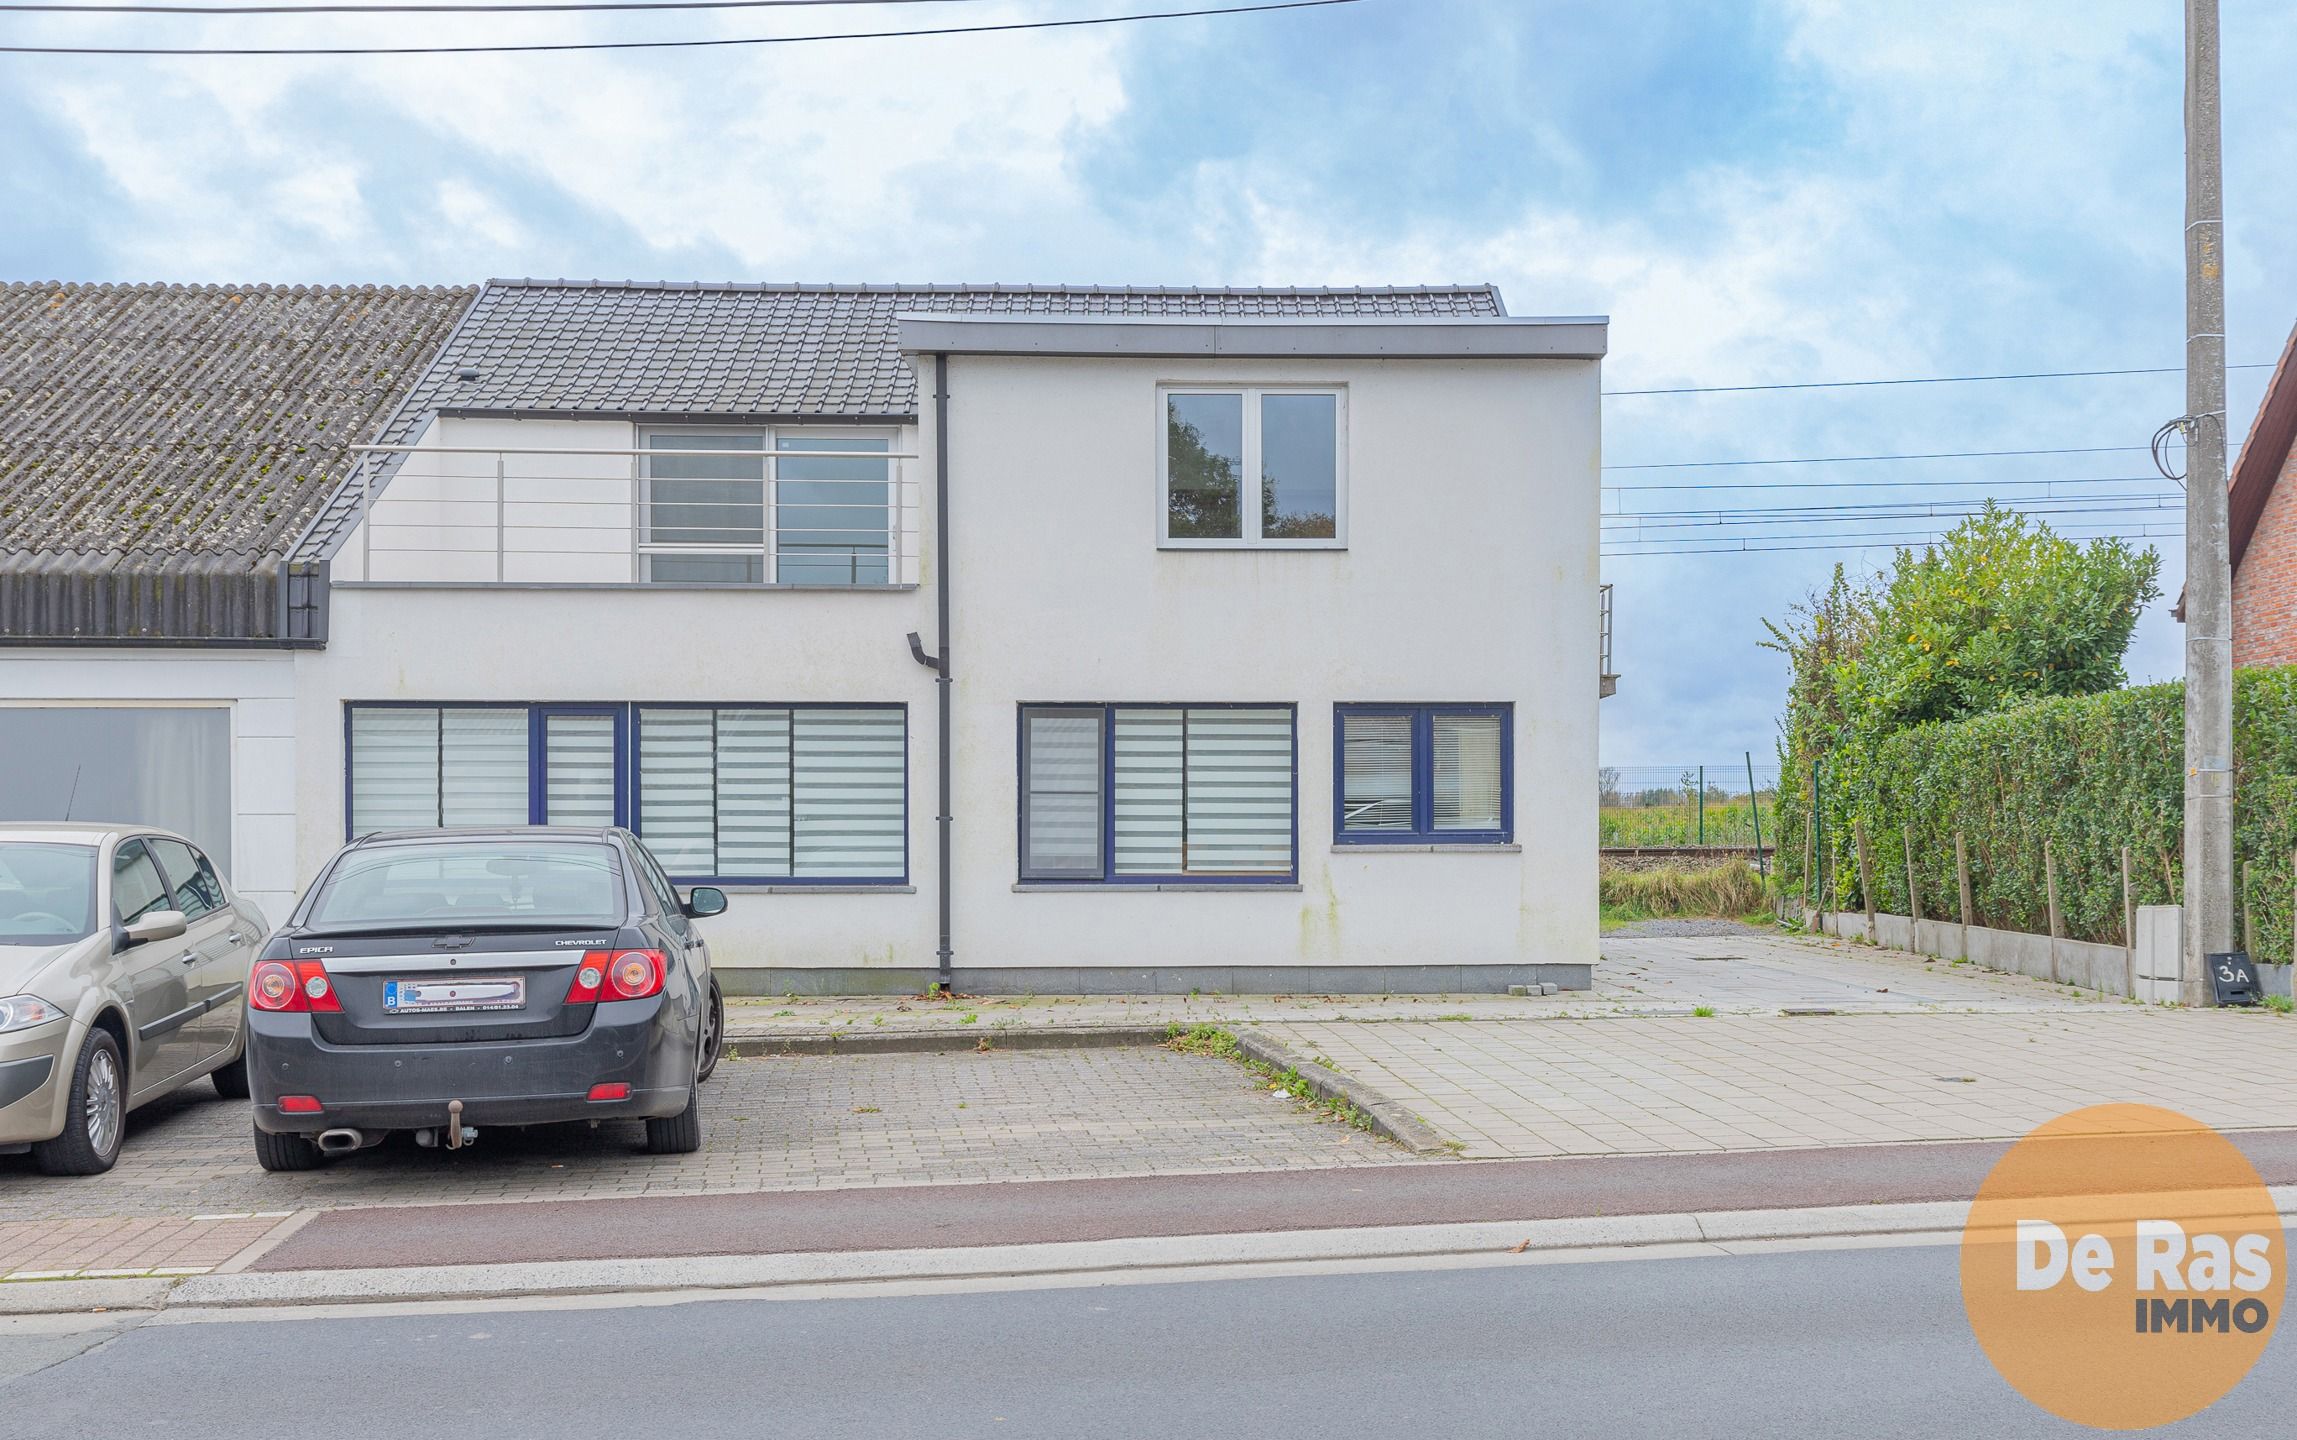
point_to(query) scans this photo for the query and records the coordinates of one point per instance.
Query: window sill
(818, 889)
(1311, 545)
(683, 586)
(1054, 887)
(1374, 847)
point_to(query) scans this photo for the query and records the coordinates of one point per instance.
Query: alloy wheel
(103, 1107)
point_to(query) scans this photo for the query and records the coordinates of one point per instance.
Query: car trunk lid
(427, 989)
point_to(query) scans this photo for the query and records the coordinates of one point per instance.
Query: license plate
(464, 992)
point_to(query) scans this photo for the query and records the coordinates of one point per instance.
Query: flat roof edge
(1261, 337)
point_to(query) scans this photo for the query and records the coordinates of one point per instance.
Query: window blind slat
(1375, 772)
(482, 767)
(1149, 792)
(578, 770)
(676, 790)
(847, 807)
(753, 790)
(1239, 792)
(1063, 784)
(394, 769)
(1467, 772)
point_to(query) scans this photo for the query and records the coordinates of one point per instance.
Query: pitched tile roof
(788, 350)
(162, 445)
(754, 352)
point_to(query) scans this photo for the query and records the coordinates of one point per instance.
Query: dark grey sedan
(441, 981)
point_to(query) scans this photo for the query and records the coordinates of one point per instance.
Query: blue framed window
(1423, 774)
(1138, 794)
(732, 794)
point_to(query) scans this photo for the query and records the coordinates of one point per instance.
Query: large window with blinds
(1132, 794)
(1422, 774)
(745, 794)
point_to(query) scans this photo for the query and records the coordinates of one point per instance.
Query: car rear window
(47, 893)
(453, 884)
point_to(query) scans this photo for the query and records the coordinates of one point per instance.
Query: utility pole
(2208, 570)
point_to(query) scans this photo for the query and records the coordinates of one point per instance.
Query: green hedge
(2089, 774)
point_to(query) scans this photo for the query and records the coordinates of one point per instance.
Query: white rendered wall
(540, 642)
(258, 689)
(1470, 576)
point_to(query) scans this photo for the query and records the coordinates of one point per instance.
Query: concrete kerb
(1388, 1117)
(943, 1040)
(1479, 1242)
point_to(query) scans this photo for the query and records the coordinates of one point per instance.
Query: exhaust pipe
(340, 1142)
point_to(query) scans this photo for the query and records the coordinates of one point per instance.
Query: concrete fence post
(1962, 879)
(1866, 881)
(2248, 913)
(1913, 896)
(2129, 922)
(2057, 921)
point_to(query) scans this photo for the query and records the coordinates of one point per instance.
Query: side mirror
(704, 901)
(157, 925)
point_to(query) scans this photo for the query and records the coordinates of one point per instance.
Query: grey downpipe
(939, 663)
(942, 678)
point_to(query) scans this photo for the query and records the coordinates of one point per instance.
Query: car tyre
(231, 1080)
(96, 1112)
(713, 1032)
(679, 1134)
(286, 1152)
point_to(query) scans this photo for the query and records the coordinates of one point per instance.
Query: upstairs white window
(1254, 466)
(784, 507)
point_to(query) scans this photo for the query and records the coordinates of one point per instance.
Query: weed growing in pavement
(968, 1017)
(1703, 1012)
(778, 1014)
(2279, 1004)
(1456, 1015)
(866, 1110)
(1215, 1041)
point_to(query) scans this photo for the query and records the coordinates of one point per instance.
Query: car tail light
(588, 977)
(292, 988)
(615, 1090)
(298, 1104)
(635, 974)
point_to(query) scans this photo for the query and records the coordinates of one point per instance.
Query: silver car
(123, 976)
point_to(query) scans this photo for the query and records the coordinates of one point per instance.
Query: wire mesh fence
(1673, 806)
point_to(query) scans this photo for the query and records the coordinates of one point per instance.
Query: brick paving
(1744, 1082)
(771, 1124)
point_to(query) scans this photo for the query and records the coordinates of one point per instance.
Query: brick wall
(2265, 587)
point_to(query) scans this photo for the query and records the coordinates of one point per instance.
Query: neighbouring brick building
(2264, 526)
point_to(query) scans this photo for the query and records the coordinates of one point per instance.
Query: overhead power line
(338, 50)
(448, 9)
(1994, 483)
(1917, 380)
(1894, 509)
(1868, 459)
(1755, 544)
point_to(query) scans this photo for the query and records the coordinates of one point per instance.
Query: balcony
(828, 512)
(1608, 682)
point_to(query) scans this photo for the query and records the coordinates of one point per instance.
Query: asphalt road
(1445, 1192)
(1868, 1343)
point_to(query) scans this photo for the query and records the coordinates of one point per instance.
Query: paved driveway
(189, 1182)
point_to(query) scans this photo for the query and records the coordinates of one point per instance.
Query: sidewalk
(1899, 1051)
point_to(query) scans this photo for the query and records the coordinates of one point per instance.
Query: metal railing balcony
(788, 518)
(1607, 681)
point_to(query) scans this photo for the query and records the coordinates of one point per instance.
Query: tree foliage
(2001, 612)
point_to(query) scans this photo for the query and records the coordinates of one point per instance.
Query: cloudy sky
(1757, 193)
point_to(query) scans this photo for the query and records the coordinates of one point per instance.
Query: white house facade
(1012, 639)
